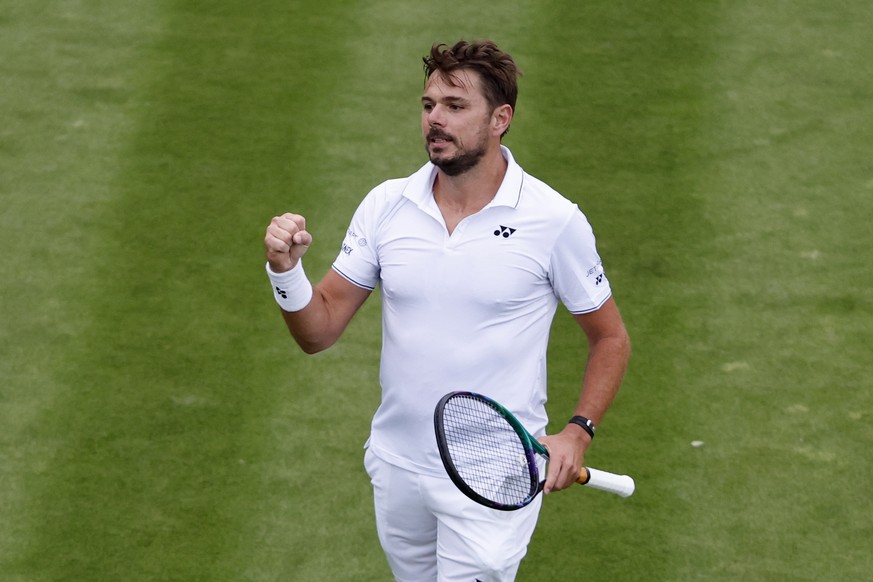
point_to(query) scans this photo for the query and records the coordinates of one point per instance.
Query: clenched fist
(286, 241)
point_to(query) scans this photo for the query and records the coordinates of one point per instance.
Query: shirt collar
(419, 189)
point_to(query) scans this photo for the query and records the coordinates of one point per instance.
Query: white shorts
(430, 531)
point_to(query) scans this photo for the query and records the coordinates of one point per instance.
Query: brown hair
(498, 71)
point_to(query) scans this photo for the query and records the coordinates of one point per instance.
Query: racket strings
(487, 452)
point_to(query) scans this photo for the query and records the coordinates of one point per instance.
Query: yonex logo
(598, 269)
(504, 231)
(282, 293)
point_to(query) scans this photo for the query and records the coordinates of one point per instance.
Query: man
(472, 256)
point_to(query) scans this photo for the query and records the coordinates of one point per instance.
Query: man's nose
(436, 117)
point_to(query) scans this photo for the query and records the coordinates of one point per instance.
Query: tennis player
(472, 256)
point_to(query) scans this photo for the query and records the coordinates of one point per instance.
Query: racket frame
(531, 446)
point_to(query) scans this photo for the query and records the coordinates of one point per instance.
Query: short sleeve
(576, 270)
(357, 260)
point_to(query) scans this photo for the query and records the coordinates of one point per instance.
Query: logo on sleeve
(598, 271)
(353, 236)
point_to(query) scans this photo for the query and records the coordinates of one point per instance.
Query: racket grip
(621, 485)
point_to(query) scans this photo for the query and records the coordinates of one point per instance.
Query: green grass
(156, 422)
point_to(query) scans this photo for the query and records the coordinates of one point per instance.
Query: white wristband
(291, 289)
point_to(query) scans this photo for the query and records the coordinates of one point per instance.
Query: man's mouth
(437, 138)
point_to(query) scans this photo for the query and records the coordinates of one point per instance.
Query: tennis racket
(493, 460)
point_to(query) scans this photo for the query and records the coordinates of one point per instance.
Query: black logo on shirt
(504, 231)
(596, 270)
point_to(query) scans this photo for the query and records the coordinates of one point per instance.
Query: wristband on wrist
(586, 424)
(291, 289)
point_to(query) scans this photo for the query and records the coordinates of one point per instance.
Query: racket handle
(621, 485)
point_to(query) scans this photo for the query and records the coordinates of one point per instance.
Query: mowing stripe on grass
(69, 104)
(784, 168)
(158, 460)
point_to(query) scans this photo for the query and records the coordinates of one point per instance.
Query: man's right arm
(334, 301)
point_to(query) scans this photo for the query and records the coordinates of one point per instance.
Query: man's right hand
(286, 241)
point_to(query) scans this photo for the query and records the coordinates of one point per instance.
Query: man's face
(455, 121)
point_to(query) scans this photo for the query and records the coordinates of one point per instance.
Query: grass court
(156, 420)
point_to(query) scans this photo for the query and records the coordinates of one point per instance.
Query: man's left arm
(608, 355)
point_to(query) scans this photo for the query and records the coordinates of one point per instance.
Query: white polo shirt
(470, 311)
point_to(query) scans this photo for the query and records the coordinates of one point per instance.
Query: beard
(463, 161)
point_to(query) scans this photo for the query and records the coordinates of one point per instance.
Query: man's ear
(501, 118)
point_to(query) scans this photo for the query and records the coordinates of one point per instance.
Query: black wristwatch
(586, 424)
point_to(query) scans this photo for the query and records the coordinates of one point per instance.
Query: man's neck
(466, 194)
(471, 191)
